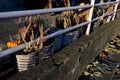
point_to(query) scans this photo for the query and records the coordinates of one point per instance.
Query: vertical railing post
(90, 16)
(115, 9)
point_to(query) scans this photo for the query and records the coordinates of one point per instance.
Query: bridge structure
(72, 60)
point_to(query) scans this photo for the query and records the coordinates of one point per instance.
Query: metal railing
(44, 11)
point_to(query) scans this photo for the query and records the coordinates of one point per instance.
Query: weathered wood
(71, 61)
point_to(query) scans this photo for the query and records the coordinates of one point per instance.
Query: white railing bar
(13, 14)
(60, 32)
(90, 17)
(91, 13)
(115, 9)
(104, 15)
(102, 4)
(22, 46)
(11, 50)
(29, 12)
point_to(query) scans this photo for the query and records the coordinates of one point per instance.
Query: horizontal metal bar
(106, 3)
(117, 10)
(13, 14)
(101, 16)
(60, 32)
(43, 11)
(104, 15)
(22, 46)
